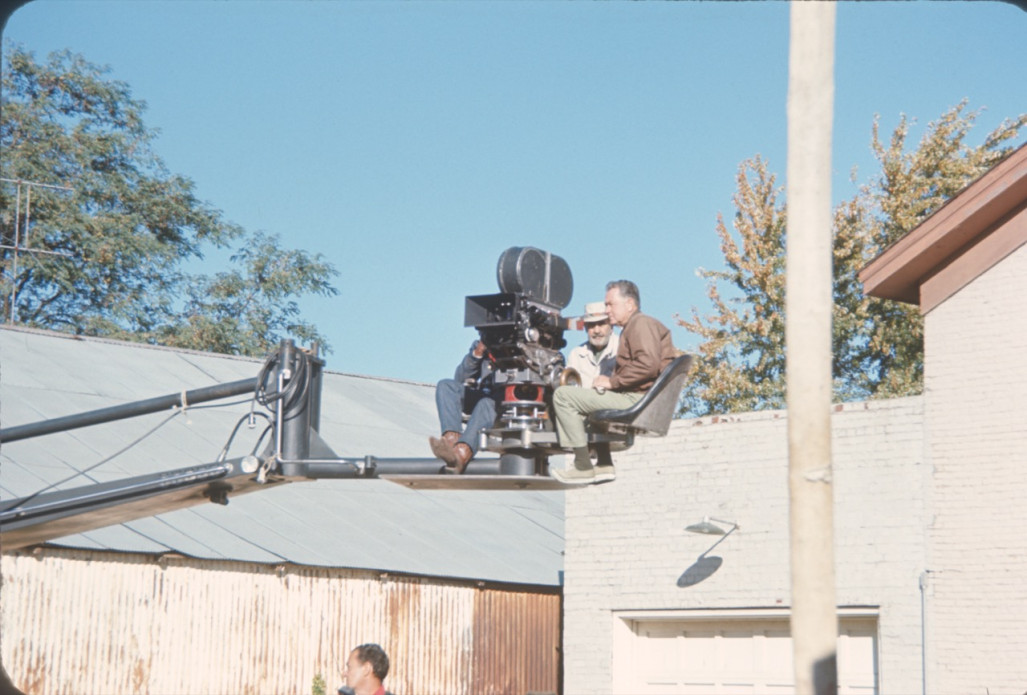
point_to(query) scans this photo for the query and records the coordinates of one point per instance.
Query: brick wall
(976, 417)
(626, 546)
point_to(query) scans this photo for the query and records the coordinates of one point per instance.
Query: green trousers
(572, 404)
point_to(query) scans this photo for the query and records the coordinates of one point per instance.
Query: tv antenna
(20, 237)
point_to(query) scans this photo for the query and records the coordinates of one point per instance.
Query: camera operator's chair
(615, 430)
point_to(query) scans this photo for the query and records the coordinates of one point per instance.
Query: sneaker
(574, 476)
(605, 474)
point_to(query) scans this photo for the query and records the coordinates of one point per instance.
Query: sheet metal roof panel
(40, 364)
(20, 479)
(499, 536)
(357, 526)
(360, 416)
(355, 411)
(479, 525)
(183, 441)
(137, 377)
(185, 535)
(182, 532)
(117, 370)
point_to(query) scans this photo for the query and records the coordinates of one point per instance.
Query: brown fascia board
(958, 225)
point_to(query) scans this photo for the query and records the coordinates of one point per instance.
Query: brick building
(929, 520)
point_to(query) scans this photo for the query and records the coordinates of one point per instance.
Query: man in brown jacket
(645, 349)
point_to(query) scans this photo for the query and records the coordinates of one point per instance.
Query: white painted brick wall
(626, 544)
(976, 418)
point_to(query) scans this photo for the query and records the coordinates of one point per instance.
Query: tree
(741, 362)
(249, 311)
(108, 254)
(877, 344)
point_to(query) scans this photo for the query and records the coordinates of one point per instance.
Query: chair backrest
(653, 413)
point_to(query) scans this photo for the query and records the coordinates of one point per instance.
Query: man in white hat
(598, 354)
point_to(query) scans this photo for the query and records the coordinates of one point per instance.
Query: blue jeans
(449, 399)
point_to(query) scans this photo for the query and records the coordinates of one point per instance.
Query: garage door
(749, 656)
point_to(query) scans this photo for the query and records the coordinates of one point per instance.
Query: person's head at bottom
(365, 670)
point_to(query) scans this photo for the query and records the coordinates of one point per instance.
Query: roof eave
(962, 222)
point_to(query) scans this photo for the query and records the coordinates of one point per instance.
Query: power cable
(97, 464)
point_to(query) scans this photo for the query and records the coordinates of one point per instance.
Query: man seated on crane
(471, 391)
(598, 354)
(644, 350)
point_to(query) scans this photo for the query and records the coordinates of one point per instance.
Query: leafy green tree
(108, 254)
(250, 309)
(741, 362)
(882, 342)
(877, 344)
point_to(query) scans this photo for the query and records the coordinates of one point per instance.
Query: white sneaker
(573, 476)
(604, 474)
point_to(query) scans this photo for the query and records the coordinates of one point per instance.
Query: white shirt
(589, 364)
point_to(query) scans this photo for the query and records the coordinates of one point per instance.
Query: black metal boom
(127, 410)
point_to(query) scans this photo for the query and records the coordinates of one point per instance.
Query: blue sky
(410, 143)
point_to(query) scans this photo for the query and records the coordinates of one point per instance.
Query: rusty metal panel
(516, 643)
(80, 622)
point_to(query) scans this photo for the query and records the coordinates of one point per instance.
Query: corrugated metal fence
(90, 622)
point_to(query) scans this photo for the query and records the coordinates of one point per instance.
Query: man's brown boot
(443, 447)
(463, 457)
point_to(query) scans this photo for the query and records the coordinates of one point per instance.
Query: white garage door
(749, 656)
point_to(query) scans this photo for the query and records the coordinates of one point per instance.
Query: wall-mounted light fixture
(706, 564)
(707, 527)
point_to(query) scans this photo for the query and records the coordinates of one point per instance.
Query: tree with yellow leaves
(877, 344)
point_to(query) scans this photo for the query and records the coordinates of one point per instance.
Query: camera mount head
(523, 331)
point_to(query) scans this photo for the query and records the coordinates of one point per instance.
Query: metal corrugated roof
(370, 524)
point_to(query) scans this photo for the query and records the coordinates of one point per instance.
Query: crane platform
(477, 482)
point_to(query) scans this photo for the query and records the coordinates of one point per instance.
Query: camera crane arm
(289, 386)
(523, 330)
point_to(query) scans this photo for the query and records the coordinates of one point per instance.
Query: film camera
(523, 331)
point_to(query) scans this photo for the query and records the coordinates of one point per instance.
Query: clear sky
(410, 143)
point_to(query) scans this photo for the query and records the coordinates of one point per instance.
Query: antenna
(17, 247)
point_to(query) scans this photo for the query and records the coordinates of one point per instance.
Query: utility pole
(808, 338)
(18, 237)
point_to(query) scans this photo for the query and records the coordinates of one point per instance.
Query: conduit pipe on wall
(923, 630)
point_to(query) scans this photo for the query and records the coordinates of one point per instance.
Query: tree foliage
(248, 309)
(108, 254)
(877, 344)
(741, 357)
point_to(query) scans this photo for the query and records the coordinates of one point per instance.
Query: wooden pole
(808, 336)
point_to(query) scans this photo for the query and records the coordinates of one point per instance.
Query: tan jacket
(590, 365)
(645, 349)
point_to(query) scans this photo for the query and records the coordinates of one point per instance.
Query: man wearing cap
(598, 354)
(645, 349)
